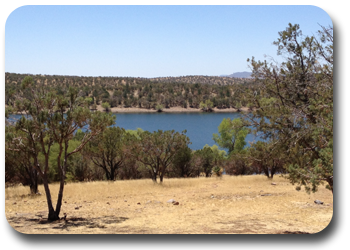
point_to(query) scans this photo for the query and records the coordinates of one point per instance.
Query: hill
(243, 74)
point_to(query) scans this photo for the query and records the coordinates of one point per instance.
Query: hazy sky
(148, 41)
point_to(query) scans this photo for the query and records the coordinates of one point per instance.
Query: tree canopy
(232, 134)
(294, 103)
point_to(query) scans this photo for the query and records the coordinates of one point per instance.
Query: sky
(148, 41)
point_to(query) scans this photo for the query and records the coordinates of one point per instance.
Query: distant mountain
(244, 74)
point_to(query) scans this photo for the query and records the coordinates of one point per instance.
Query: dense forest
(189, 91)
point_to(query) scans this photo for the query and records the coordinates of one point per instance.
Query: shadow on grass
(66, 224)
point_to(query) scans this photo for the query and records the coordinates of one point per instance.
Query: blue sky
(148, 41)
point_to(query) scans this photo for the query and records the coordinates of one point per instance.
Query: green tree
(106, 106)
(238, 164)
(208, 158)
(107, 150)
(157, 150)
(267, 159)
(18, 160)
(206, 106)
(52, 120)
(294, 107)
(159, 107)
(181, 165)
(232, 134)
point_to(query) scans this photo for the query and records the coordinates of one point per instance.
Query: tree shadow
(99, 222)
(66, 224)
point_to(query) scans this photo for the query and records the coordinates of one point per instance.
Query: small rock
(261, 191)
(147, 202)
(76, 208)
(138, 203)
(318, 202)
(266, 194)
(108, 203)
(212, 196)
(125, 200)
(171, 201)
(176, 203)
(65, 202)
(157, 202)
(273, 183)
(14, 203)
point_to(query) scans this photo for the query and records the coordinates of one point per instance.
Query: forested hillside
(186, 91)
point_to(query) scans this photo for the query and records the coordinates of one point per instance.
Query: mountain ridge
(243, 74)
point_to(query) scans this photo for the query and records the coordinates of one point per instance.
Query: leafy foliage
(232, 134)
(295, 105)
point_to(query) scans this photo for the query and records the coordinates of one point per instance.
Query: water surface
(200, 126)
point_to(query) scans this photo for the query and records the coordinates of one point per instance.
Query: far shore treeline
(203, 92)
(290, 104)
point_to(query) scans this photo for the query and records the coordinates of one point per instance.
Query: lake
(200, 126)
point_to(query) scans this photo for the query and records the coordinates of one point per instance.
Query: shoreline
(171, 110)
(166, 110)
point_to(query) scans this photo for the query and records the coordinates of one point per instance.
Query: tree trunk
(60, 193)
(273, 171)
(161, 175)
(154, 176)
(112, 177)
(52, 216)
(330, 182)
(266, 171)
(33, 181)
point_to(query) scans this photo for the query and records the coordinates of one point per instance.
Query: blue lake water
(200, 126)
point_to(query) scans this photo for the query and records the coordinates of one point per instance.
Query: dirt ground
(227, 205)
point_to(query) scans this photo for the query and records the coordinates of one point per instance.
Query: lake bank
(170, 110)
(165, 110)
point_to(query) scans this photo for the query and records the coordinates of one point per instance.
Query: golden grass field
(227, 205)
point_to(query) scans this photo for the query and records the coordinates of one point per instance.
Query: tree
(267, 159)
(19, 161)
(238, 164)
(157, 150)
(51, 119)
(159, 107)
(107, 150)
(206, 106)
(181, 165)
(106, 106)
(209, 158)
(295, 105)
(232, 134)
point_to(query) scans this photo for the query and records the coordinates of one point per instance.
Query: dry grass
(245, 205)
